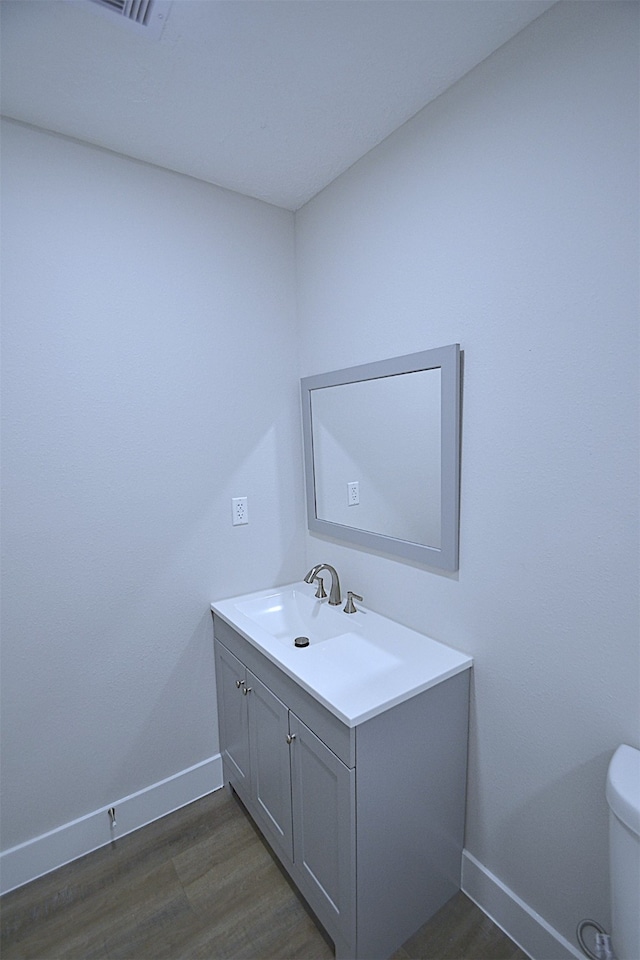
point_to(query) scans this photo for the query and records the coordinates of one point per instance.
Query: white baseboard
(41, 855)
(527, 928)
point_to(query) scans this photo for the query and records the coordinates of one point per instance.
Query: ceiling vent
(146, 17)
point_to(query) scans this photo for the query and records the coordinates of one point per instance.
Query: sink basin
(289, 614)
(356, 664)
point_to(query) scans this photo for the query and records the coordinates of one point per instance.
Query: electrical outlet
(239, 511)
(353, 493)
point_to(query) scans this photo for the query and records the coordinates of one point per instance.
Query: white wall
(504, 216)
(150, 374)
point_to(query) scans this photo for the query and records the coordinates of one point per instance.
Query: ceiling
(271, 98)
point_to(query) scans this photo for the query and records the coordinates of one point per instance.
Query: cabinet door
(234, 719)
(323, 791)
(269, 740)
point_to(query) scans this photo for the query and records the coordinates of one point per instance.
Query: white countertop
(366, 665)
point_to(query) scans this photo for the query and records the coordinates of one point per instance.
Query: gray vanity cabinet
(374, 846)
(254, 727)
(300, 794)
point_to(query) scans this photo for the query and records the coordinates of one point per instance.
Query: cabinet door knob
(246, 690)
(291, 737)
(239, 683)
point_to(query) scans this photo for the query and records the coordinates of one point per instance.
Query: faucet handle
(320, 592)
(350, 606)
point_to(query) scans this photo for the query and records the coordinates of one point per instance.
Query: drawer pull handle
(246, 690)
(291, 737)
(239, 683)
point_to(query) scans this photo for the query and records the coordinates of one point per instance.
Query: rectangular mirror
(381, 449)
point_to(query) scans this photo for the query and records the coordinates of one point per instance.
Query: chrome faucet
(334, 593)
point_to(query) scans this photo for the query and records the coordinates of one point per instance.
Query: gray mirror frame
(447, 359)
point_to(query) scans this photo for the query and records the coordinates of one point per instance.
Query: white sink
(356, 664)
(291, 613)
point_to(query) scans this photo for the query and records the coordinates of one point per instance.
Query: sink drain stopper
(301, 641)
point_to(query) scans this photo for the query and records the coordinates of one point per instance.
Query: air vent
(143, 16)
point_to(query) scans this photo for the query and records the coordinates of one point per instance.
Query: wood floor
(201, 883)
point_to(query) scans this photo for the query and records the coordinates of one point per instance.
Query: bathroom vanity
(350, 755)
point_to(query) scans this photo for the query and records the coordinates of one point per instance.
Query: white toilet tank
(623, 797)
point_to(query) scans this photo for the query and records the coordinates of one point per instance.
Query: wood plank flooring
(200, 884)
